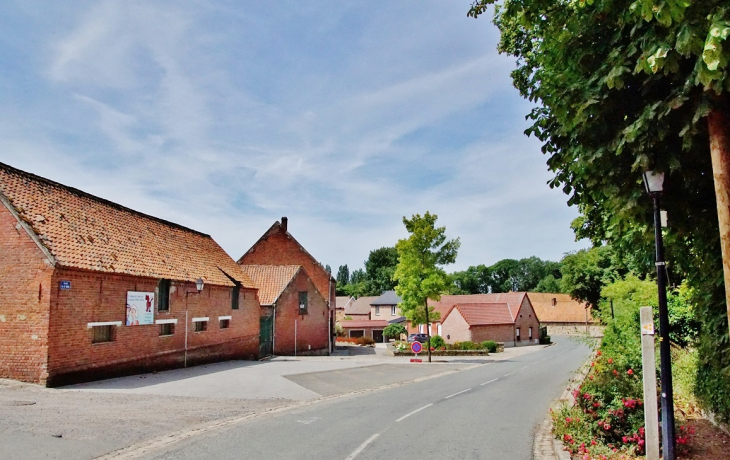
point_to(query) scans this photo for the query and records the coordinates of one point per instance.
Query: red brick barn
(92, 289)
(293, 312)
(525, 324)
(278, 247)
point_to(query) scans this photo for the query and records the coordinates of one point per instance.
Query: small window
(302, 302)
(530, 333)
(201, 326)
(224, 323)
(377, 311)
(235, 296)
(517, 333)
(392, 310)
(163, 295)
(167, 329)
(102, 334)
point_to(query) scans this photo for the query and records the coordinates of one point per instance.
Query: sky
(224, 116)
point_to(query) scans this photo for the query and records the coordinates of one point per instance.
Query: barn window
(163, 295)
(303, 302)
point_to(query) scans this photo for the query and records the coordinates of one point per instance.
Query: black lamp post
(654, 182)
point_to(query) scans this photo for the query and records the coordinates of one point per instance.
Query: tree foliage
(419, 275)
(343, 275)
(621, 86)
(394, 331)
(377, 276)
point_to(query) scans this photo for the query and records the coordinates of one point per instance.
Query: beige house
(359, 309)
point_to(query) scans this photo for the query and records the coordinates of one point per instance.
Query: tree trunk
(428, 333)
(719, 129)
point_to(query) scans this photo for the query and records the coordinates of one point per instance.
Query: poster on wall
(140, 308)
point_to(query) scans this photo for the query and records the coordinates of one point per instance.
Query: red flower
(630, 372)
(598, 353)
(615, 372)
(610, 360)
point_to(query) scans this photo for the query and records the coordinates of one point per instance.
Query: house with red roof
(503, 317)
(92, 289)
(293, 312)
(563, 315)
(371, 322)
(278, 247)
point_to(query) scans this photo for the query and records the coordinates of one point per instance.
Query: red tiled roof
(447, 302)
(270, 279)
(86, 232)
(354, 324)
(484, 314)
(565, 310)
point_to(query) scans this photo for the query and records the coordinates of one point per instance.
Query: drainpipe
(295, 338)
(273, 333)
(186, 331)
(329, 316)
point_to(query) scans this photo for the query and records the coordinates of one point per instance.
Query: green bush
(489, 345)
(394, 331)
(437, 341)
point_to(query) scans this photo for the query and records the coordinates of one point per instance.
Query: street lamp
(654, 182)
(199, 284)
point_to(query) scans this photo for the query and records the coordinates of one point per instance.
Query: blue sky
(224, 116)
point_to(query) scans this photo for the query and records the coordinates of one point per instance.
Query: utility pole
(428, 331)
(719, 131)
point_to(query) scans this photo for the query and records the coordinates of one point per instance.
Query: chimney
(284, 222)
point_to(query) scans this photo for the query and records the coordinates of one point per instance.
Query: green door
(266, 341)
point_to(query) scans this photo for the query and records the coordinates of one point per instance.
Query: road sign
(648, 328)
(416, 347)
(65, 285)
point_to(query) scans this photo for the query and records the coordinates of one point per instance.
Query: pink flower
(598, 353)
(630, 372)
(610, 360)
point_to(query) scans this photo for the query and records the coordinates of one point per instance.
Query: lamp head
(199, 284)
(654, 182)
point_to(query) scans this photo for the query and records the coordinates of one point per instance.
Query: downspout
(273, 333)
(329, 316)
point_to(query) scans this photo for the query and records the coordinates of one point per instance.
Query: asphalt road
(486, 412)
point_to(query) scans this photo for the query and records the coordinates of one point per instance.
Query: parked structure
(278, 247)
(293, 312)
(523, 319)
(341, 303)
(359, 310)
(92, 289)
(563, 315)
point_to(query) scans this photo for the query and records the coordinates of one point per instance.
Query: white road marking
(507, 375)
(493, 380)
(524, 368)
(417, 410)
(308, 421)
(462, 391)
(362, 446)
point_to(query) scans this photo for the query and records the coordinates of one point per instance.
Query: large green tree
(419, 274)
(621, 86)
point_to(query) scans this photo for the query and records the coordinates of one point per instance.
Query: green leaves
(712, 53)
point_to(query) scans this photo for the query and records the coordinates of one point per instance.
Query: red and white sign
(416, 347)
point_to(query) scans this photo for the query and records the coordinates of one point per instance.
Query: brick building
(523, 318)
(293, 312)
(563, 315)
(278, 247)
(92, 289)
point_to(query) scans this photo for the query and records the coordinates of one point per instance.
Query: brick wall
(527, 318)
(498, 333)
(99, 297)
(312, 327)
(455, 328)
(279, 248)
(24, 301)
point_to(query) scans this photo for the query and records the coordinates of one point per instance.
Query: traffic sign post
(416, 348)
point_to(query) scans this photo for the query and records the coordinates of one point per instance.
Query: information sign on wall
(140, 308)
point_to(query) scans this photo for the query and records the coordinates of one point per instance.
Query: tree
(473, 280)
(587, 271)
(622, 86)
(343, 277)
(418, 274)
(328, 269)
(379, 269)
(394, 331)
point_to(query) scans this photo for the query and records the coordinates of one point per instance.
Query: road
(487, 412)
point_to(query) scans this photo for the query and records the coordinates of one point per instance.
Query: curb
(545, 446)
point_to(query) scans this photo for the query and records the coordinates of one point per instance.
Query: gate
(266, 336)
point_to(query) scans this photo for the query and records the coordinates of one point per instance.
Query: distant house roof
(484, 314)
(79, 230)
(400, 319)
(388, 298)
(271, 280)
(360, 306)
(341, 302)
(357, 324)
(558, 308)
(513, 300)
